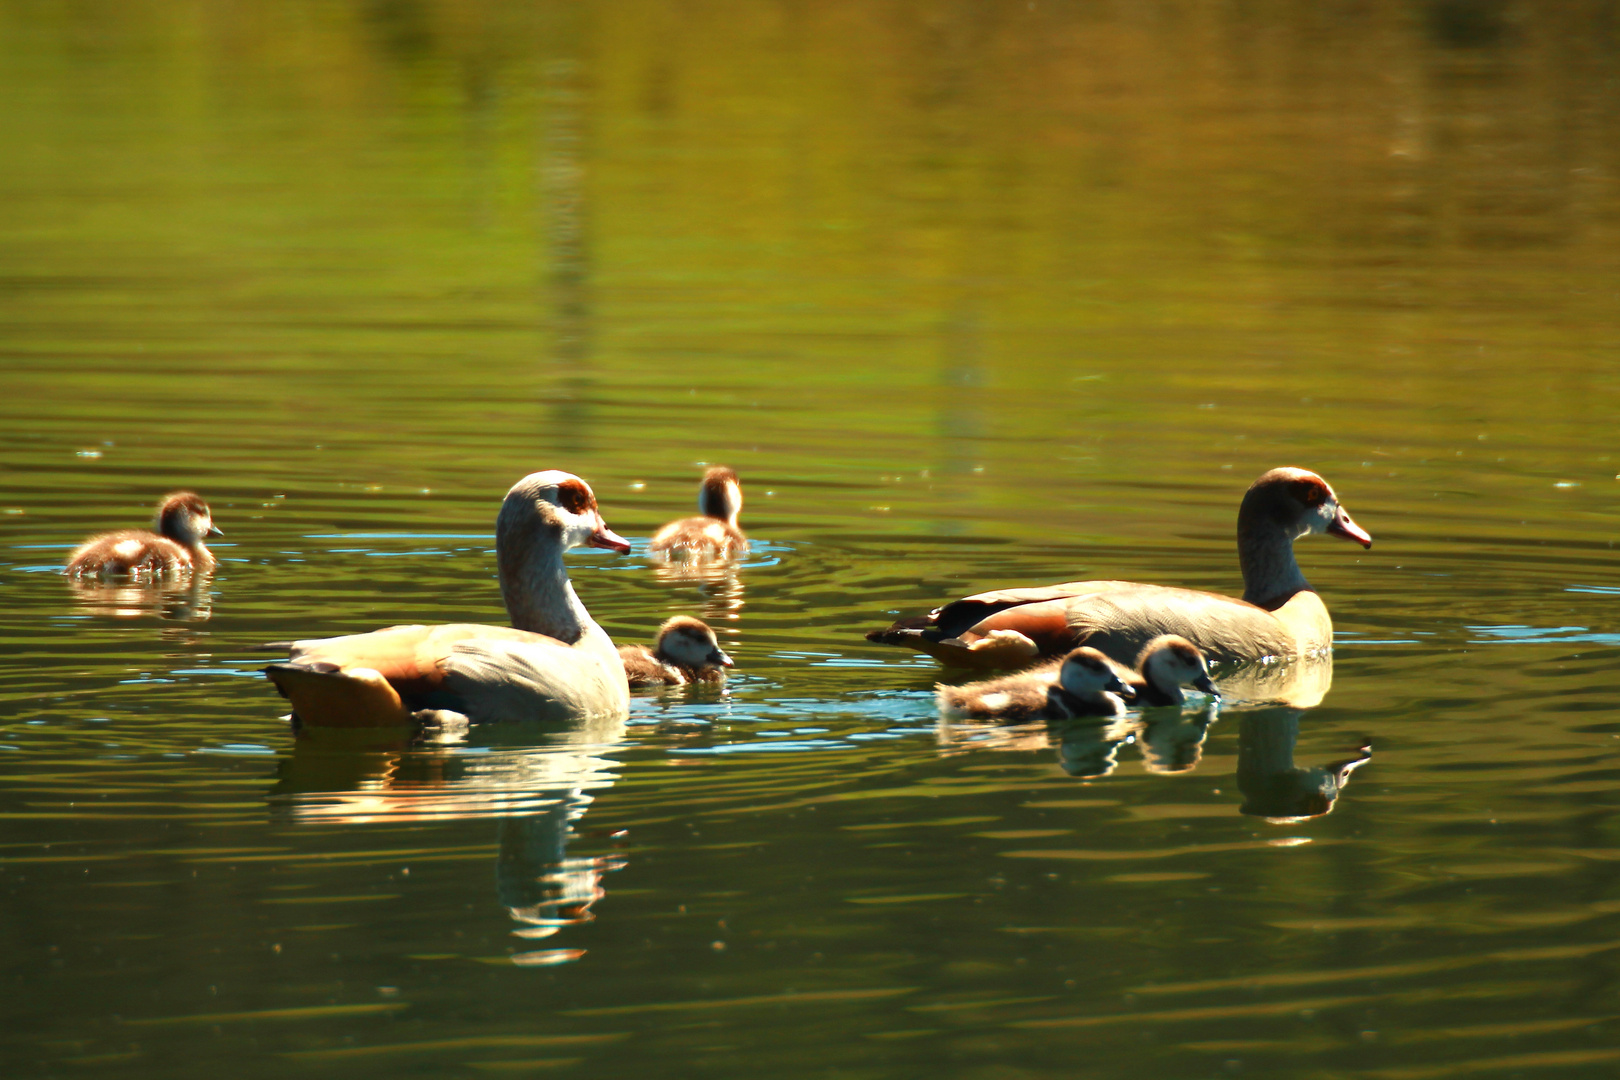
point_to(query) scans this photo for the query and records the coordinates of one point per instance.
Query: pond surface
(971, 296)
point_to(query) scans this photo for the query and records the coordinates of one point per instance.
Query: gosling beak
(717, 657)
(215, 530)
(1343, 526)
(1207, 685)
(605, 537)
(1123, 689)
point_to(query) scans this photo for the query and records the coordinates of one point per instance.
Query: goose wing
(379, 678)
(1121, 619)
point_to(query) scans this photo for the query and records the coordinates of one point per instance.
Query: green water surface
(971, 295)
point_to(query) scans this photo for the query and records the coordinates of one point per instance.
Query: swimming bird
(1084, 683)
(686, 652)
(183, 520)
(712, 535)
(553, 662)
(1168, 663)
(1278, 615)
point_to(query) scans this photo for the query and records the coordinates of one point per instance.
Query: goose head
(690, 643)
(1169, 662)
(1086, 672)
(183, 517)
(721, 494)
(1279, 508)
(555, 510)
(1297, 502)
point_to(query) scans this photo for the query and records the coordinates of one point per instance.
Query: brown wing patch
(324, 697)
(960, 615)
(1046, 624)
(407, 657)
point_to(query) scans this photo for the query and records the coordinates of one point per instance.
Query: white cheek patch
(1082, 678)
(578, 528)
(1325, 515)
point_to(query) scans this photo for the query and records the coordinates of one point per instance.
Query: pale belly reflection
(534, 793)
(187, 598)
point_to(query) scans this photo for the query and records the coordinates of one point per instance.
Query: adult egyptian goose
(686, 652)
(1083, 684)
(553, 662)
(714, 534)
(183, 521)
(1279, 614)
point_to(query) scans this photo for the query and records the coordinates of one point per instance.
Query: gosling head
(183, 517)
(1169, 662)
(1086, 671)
(721, 495)
(690, 643)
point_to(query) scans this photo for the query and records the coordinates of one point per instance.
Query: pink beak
(1343, 526)
(605, 537)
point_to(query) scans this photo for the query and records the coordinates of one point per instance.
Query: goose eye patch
(575, 497)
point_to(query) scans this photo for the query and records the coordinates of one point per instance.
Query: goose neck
(539, 597)
(1266, 554)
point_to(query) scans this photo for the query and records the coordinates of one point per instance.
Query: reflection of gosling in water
(715, 534)
(686, 652)
(1172, 741)
(183, 521)
(1087, 749)
(1084, 683)
(1165, 665)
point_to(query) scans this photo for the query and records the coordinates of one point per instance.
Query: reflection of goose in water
(1299, 681)
(536, 793)
(184, 599)
(1272, 785)
(540, 886)
(966, 738)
